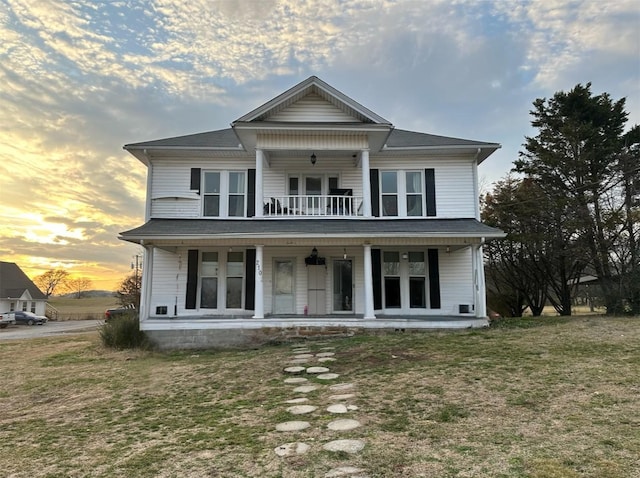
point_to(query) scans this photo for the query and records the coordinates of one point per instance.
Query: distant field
(77, 309)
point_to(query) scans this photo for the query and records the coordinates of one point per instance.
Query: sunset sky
(79, 79)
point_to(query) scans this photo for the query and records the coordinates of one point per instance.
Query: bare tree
(51, 280)
(79, 285)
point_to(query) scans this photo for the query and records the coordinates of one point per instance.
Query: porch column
(481, 294)
(259, 211)
(258, 293)
(368, 284)
(145, 283)
(366, 184)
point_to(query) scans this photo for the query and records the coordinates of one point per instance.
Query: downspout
(147, 207)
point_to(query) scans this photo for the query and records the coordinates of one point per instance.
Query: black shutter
(192, 279)
(250, 287)
(195, 179)
(251, 194)
(376, 265)
(434, 279)
(430, 188)
(375, 192)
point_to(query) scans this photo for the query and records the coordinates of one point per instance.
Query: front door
(343, 285)
(283, 286)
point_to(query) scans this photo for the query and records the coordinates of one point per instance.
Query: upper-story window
(224, 194)
(402, 193)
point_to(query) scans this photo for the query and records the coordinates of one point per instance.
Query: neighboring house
(18, 292)
(311, 210)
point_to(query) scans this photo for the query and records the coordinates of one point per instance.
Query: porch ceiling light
(313, 158)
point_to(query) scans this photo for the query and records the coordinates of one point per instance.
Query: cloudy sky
(81, 78)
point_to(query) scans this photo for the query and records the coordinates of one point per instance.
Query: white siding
(456, 280)
(169, 280)
(312, 108)
(454, 182)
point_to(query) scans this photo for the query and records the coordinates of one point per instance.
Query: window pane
(389, 182)
(209, 293)
(333, 183)
(417, 296)
(414, 205)
(392, 292)
(212, 205)
(212, 183)
(236, 206)
(209, 264)
(389, 205)
(416, 264)
(391, 263)
(414, 182)
(313, 186)
(235, 264)
(236, 183)
(293, 186)
(234, 292)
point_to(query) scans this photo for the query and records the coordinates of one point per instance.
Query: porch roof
(264, 228)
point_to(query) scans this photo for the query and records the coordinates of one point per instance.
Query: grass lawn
(539, 398)
(70, 308)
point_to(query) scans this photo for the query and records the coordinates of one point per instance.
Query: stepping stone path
(339, 396)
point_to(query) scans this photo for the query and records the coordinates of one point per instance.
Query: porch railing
(311, 205)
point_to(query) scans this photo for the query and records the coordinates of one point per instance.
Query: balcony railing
(311, 205)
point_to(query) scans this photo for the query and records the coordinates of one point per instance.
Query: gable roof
(13, 283)
(313, 86)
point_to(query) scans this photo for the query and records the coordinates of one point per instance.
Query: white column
(259, 288)
(368, 284)
(259, 189)
(481, 301)
(146, 283)
(366, 183)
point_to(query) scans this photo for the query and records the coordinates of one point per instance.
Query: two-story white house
(310, 211)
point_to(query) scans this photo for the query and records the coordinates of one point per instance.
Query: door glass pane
(392, 292)
(313, 186)
(284, 277)
(293, 186)
(209, 264)
(209, 293)
(342, 285)
(333, 183)
(234, 292)
(417, 296)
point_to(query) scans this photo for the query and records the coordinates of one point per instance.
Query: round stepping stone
(301, 409)
(297, 362)
(317, 370)
(302, 350)
(326, 359)
(327, 348)
(290, 449)
(305, 389)
(343, 424)
(348, 446)
(295, 369)
(345, 471)
(296, 380)
(297, 400)
(325, 354)
(343, 396)
(342, 386)
(341, 408)
(328, 376)
(293, 426)
(303, 356)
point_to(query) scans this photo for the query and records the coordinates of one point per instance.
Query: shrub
(123, 332)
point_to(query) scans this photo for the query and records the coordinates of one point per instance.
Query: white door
(284, 286)
(343, 285)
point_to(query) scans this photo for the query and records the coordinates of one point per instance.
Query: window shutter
(376, 266)
(250, 286)
(430, 190)
(192, 279)
(251, 193)
(434, 279)
(375, 192)
(195, 179)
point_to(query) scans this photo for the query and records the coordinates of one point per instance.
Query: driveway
(49, 329)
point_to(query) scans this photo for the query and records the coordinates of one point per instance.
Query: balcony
(334, 205)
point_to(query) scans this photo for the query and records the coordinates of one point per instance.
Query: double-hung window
(225, 194)
(402, 193)
(235, 279)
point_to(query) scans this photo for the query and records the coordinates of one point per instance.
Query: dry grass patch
(533, 398)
